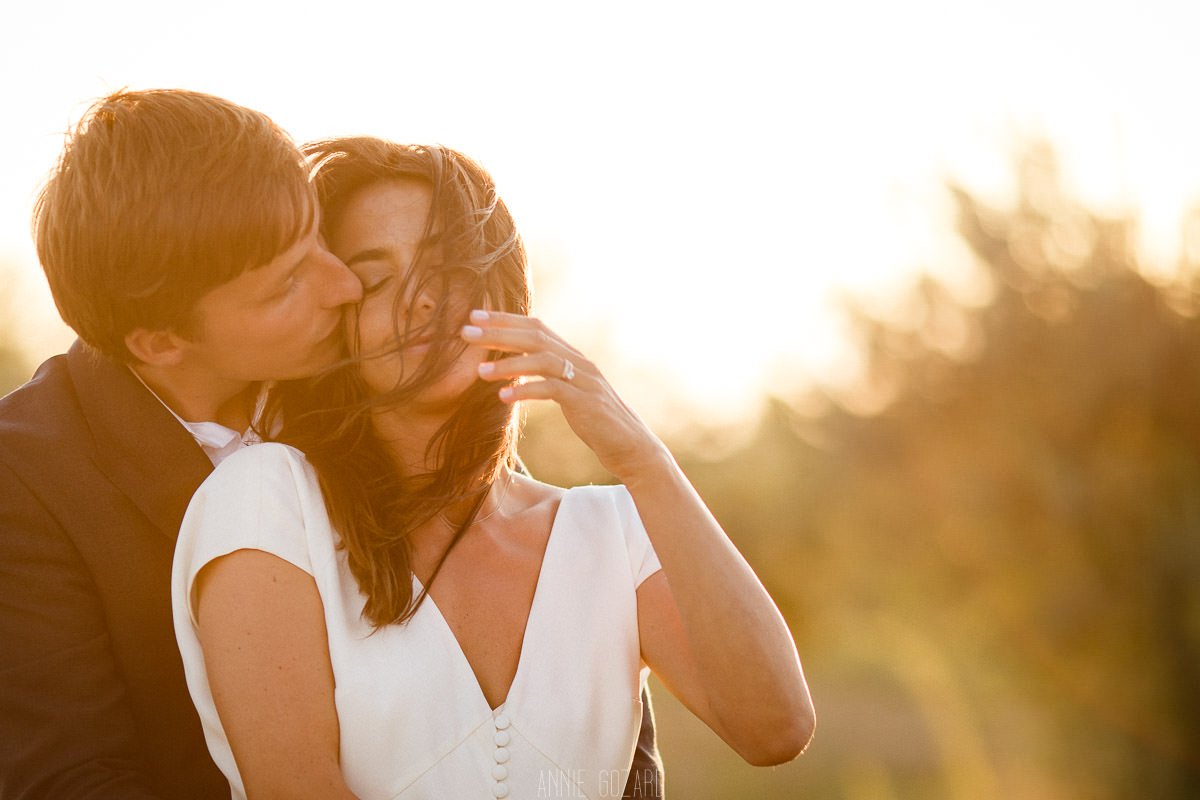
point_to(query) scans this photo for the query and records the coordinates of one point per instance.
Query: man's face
(280, 321)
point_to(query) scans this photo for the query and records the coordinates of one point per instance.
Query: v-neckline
(529, 618)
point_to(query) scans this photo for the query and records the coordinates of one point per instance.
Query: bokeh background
(911, 289)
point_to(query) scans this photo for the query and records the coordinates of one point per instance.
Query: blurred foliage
(14, 367)
(994, 580)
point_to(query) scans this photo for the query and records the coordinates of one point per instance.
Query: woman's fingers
(513, 333)
(541, 354)
(544, 364)
(534, 390)
(563, 375)
(512, 340)
(502, 319)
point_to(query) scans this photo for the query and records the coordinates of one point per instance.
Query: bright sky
(697, 181)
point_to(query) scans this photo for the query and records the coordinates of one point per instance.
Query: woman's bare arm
(708, 627)
(262, 630)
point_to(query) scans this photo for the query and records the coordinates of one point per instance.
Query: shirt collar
(217, 441)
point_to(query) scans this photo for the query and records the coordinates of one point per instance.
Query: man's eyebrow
(371, 254)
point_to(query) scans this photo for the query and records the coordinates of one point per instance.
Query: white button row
(502, 739)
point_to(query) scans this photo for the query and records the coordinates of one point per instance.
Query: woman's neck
(407, 433)
(407, 436)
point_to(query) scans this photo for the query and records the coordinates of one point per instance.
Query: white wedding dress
(413, 720)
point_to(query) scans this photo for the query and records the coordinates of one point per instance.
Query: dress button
(499, 772)
(502, 721)
(502, 738)
(500, 789)
(501, 755)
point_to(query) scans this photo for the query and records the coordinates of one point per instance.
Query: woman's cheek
(373, 329)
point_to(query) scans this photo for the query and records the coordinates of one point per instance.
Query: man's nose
(342, 286)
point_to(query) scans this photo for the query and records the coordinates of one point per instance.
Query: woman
(401, 611)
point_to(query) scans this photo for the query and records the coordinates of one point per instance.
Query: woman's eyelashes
(373, 285)
(373, 280)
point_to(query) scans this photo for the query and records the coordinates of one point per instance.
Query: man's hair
(158, 197)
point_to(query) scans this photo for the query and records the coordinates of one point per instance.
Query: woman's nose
(423, 306)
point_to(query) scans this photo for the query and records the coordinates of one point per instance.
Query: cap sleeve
(643, 561)
(255, 500)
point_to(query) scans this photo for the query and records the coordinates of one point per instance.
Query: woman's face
(378, 237)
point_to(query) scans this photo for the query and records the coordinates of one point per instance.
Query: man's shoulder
(84, 434)
(54, 417)
(42, 412)
(41, 430)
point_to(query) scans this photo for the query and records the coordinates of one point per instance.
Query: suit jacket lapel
(140, 446)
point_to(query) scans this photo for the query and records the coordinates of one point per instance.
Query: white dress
(414, 722)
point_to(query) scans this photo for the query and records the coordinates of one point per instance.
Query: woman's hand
(707, 626)
(621, 441)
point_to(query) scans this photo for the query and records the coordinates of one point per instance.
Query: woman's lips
(418, 346)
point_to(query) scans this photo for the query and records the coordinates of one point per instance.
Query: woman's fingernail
(506, 393)
(487, 368)
(471, 332)
(479, 315)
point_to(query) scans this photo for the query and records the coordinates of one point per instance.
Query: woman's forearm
(725, 616)
(744, 656)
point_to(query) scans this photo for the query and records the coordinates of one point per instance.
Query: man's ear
(155, 348)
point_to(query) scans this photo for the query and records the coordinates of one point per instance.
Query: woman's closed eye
(372, 284)
(374, 276)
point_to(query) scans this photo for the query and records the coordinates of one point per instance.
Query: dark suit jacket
(95, 476)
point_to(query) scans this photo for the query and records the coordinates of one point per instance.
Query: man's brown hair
(158, 197)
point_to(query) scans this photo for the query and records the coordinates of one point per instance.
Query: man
(179, 235)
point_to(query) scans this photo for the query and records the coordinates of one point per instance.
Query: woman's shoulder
(599, 503)
(532, 492)
(255, 459)
(605, 505)
(262, 497)
(609, 498)
(587, 492)
(259, 471)
(262, 454)
(609, 514)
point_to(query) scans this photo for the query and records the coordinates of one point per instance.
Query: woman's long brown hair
(471, 255)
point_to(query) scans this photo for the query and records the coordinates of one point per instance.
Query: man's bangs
(279, 215)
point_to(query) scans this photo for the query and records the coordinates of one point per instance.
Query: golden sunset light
(699, 183)
(911, 291)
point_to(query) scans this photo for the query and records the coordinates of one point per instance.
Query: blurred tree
(14, 369)
(994, 579)
(1034, 508)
